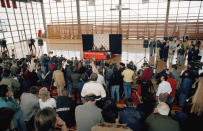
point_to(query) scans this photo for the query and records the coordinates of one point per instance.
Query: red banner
(3, 3)
(39, 33)
(95, 55)
(8, 4)
(14, 4)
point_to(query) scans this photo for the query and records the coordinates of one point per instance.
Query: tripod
(144, 58)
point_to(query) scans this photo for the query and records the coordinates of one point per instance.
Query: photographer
(31, 43)
(3, 44)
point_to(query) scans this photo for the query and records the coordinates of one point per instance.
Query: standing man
(3, 44)
(165, 51)
(152, 46)
(146, 79)
(93, 87)
(127, 80)
(180, 53)
(172, 49)
(161, 49)
(164, 87)
(59, 80)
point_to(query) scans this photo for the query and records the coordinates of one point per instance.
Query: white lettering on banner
(63, 109)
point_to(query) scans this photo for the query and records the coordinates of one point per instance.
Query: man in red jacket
(173, 84)
(146, 79)
(147, 73)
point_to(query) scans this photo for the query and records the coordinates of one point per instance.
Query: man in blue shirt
(7, 100)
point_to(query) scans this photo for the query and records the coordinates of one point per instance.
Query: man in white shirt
(164, 87)
(93, 87)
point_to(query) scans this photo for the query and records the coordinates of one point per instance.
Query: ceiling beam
(78, 10)
(120, 5)
(78, 17)
(167, 15)
(44, 19)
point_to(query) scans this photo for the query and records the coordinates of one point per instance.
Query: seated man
(88, 114)
(30, 105)
(7, 100)
(130, 115)
(6, 119)
(102, 48)
(160, 121)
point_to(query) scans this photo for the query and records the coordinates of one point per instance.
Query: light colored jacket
(58, 78)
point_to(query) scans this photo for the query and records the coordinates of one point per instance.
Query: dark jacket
(165, 51)
(185, 85)
(190, 54)
(195, 55)
(193, 122)
(156, 122)
(65, 108)
(68, 71)
(75, 78)
(180, 50)
(115, 79)
(108, 73)
(161, 50)
(132, 117)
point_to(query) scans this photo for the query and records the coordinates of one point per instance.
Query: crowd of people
(169, 48)
(88, 95)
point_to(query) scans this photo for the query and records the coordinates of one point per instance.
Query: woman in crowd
(45, 100)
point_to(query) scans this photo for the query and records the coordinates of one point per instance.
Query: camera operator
(3, 44)
(146, 79)
(31, 43)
